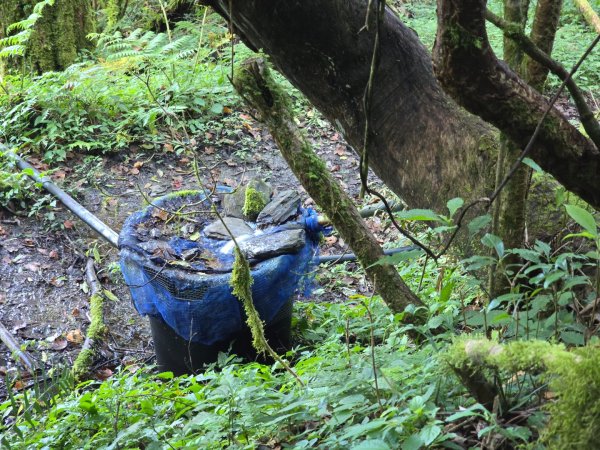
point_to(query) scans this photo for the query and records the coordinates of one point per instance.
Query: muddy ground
(43, 299)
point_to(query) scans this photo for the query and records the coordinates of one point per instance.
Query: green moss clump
(254, 203)
(573, 376)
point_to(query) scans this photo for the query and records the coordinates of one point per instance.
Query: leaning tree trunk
(58, 35)
(422, 145)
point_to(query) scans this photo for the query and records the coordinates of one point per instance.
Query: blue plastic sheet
(199, 306)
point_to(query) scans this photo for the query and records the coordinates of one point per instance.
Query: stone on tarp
(274, 244)
(233, 204)
(282, 208)
(217, 230)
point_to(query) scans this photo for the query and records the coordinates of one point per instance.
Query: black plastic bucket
(175, 354)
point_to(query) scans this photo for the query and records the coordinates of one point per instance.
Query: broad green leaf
(531, 163)
(493, 241)
(371, 444)
(478, 223)
(414, 442)
(583, 218)
(419, 215)
(399, 257)
(429, 433)
(454, 204)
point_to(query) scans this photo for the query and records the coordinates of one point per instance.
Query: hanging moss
(241, 283)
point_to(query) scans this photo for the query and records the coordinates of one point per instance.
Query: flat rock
(238, 228)
(282, 208)
(233, 204)
(269, 245)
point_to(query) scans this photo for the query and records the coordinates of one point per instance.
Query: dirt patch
(42, 289)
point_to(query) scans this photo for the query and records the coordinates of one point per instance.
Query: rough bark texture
(58, 35)
(543, 32)
(423, 146)
(254, 83)
(494, 92)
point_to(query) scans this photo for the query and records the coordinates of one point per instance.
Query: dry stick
(15, 349)
(257, 87)
(489, 200)
(589, 14)
(589, 122)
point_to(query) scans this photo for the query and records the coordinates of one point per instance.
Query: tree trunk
(58, 35)
(470, 72)
(422, 145)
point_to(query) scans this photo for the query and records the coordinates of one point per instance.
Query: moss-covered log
(572, 376)
(97, 329)
(254, 83)
(58, 35)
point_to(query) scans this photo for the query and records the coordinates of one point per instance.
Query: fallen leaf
(335, 168)
(6, 260)
(68, 224)
(76, 312)
(331, 240)
(75, 336)
(231, 163)
(184, 160)
(28, 242)
(227, 110)
(57, 281)
(168, 148)
(160, 173)
(3, 232)
(3, 370)
(53, 254)
(103, 374)
(160, 214)
(18, 385)
(32, 267)
(177, 182)
(340, 150)
(209, 150)
(229, 182)
(134, 171)
(58, 344)
(59, 175)
(18, 327)
(138, 164)
(42, 251)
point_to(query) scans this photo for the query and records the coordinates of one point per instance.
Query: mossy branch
(96, 330)
(257, 87)
(572, 376)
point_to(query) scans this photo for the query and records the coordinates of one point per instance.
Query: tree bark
(422, 145)
(58, 35)
(589, 14)
(494, 92)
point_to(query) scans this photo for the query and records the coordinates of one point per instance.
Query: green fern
(16, 44)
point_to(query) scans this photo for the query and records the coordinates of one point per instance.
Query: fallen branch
(15, 349)
(96, 330)
(255, 84)
(589, 14)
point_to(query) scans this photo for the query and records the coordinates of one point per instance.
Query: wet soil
(43, 294)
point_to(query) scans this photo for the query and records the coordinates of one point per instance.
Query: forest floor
(43, 299)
